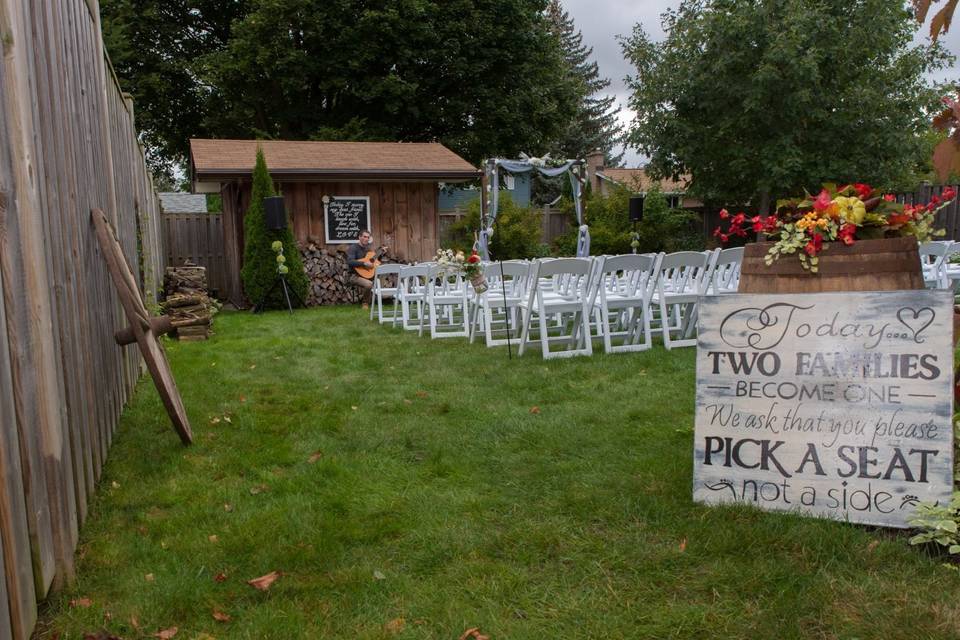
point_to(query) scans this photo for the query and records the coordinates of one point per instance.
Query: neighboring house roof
(172, 202)
(225, 159)
(638, 180)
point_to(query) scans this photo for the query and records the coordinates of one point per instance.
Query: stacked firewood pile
(329, 274)
(187, 301)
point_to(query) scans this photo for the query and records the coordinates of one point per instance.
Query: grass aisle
(413, 488)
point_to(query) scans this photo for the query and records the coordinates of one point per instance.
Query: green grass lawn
(413, 488)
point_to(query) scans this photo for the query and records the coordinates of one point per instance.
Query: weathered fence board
(197, 237)
(68, 144)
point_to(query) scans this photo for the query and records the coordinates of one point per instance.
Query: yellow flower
(852, 210)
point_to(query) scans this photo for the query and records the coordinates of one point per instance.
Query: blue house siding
(455, 197)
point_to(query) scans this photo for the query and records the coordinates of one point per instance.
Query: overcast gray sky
(601, 21)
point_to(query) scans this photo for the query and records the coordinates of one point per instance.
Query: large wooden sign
(345, 216)
(832, 404)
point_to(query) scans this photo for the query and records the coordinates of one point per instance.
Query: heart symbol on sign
(916, 320)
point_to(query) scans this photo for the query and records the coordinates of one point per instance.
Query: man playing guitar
(358, 258)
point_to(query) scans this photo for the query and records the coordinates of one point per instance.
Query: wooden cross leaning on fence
(143, 329)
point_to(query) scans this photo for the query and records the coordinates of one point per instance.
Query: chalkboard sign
(836, 405)
(345, 217)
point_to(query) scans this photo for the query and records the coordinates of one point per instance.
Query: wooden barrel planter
(889, 264)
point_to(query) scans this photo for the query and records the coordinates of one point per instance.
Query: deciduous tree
(756, 99)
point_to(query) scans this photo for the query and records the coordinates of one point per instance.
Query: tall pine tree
(595, 124)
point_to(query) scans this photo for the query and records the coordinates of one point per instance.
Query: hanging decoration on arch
(574, 168)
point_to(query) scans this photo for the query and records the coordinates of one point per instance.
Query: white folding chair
(621, 299)
(952, 268)
(568, 301)
(496, 308)
(386, 284)
(412, 285)
(933, 257)
(682, 280)
(446, 303)
(726, 273)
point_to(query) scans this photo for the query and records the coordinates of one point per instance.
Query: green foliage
(611, 232)
(757, 100)
(938, 523)
(260, 263)
(485, 78)
(517, 230)
(214, 203)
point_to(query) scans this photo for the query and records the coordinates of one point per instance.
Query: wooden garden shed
(398, 182)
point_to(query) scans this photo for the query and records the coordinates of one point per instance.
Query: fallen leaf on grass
(214, 420)
(314, 457)
(354, 407)
(535, 410)
(103, 634)
(243, 398)
(474, 633)
(263, 582)
(135, 623)
(220, 577)
(423, 394)
(873, 545)
(149, 577)
(405, 401)
(227, 419)
(378, 575)
(227, 507)
(395, 626)
(83, 603)
(165, 634)
(260, 488)
(253, 366)
(220, 616)
(115, 484)
(683, 545)
(213, 538)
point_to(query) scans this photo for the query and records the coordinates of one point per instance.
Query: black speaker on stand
(275, 213)
(636, 209)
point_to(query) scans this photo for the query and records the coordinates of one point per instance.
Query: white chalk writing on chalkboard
(345, 217)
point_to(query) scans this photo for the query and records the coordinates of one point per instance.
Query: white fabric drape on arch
(572, 167)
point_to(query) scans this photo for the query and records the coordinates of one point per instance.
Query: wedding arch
(575, 169)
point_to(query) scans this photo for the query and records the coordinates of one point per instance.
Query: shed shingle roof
(235, 158)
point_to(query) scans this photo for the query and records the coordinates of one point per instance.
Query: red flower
(899, 219)
(949, 194)
(474, 258)
(934, 200)
(823, 201)
(770, 224)
(738, 219)
(847, 233)
(863, 190)
(724, 238)
(813, 247)
(889, 197)
(724, 214)
(758, 226)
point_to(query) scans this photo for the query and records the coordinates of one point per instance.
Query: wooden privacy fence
(67, 144)
(197, 237)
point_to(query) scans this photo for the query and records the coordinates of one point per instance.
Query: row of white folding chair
(552, 295)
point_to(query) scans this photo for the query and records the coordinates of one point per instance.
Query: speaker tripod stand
(280, 280)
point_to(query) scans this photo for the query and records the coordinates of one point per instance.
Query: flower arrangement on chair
(469, 267)
(806, 226)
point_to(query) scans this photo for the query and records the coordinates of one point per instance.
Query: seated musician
(356, 255)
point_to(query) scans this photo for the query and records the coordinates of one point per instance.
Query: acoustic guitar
(373, 257)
